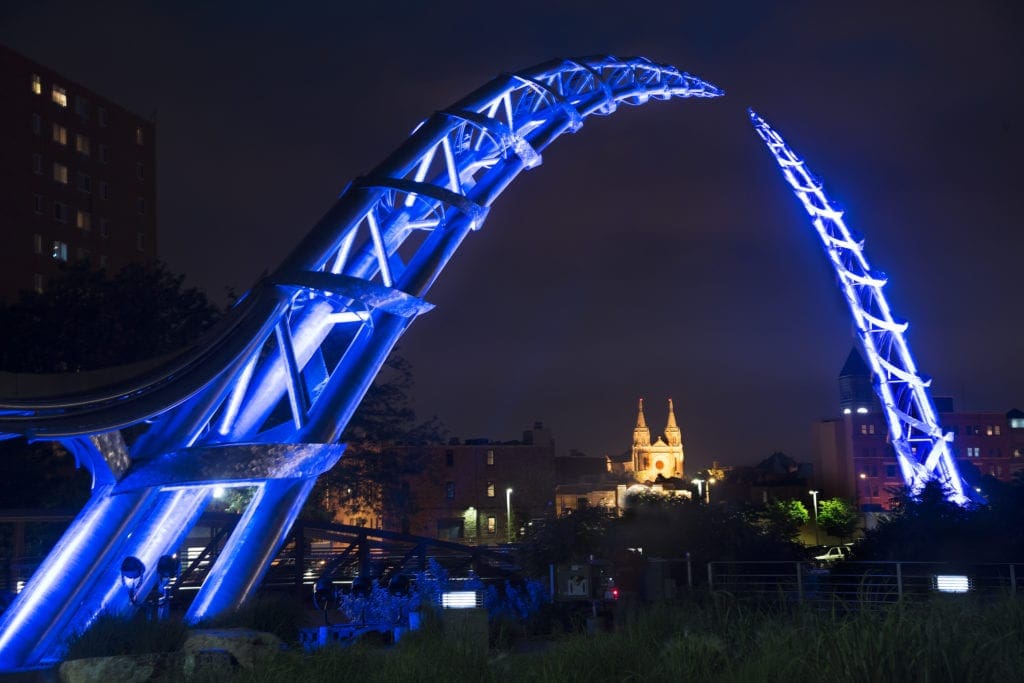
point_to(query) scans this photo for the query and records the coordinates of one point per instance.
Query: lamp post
(699, 483)
(711, 480)
(814, 494)
(508, 515)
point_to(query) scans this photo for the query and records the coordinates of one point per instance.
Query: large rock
(122, 668)
(246, 646)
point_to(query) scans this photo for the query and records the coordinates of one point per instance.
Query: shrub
(113, 634)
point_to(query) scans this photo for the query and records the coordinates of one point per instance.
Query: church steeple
(672, 433)
(641, 434)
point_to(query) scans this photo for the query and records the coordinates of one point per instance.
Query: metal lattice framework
(262, 400)
(922, 448)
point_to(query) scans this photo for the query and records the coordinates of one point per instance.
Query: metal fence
(861, 583)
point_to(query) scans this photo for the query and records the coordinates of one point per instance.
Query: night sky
(655, 253)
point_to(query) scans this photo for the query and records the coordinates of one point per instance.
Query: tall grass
(111, 634)
(949, 638)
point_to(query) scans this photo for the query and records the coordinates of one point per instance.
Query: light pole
(814, 494)
(700, 488)
(711, 480)
(508, 515)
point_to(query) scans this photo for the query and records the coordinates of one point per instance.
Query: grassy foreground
(942, 640)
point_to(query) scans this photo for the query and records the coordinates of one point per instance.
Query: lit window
(37, 244)
(83, 220)
(38, 199)
(60, 96)
(140, 241)
(60, 212)
(60, 134)
(60, 173)
(490, 457)
(60, 251)
(101, 116)
(104, 190)
(997, 429)
(140, 205)
(490, 489)
(988, 430)
(37, 163)
(492, 524)
(37, 124)
(37, 85)
(140, 171)
(449, 490)
(1017, 423)
(138, 135)
(973, 451)
(84, 182)
(82, 144)
(104, 154)
(104, 228)
(37, 283)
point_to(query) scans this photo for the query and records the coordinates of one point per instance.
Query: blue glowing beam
(922, 448)
(353, 283)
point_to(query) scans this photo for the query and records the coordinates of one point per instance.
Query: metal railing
(861, 583)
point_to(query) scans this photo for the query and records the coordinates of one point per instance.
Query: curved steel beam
(922, 448)
(308, 341)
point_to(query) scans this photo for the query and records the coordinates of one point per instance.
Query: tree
(86, 320)
(384, 446)
(838, 517)
(784, 518)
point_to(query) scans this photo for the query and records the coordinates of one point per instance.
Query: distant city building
(854, 458)
(79, 178)
(648, 461)
(461, 491)
(646, 467)
(777, 477)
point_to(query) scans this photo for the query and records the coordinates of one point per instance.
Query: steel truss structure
(262, 400)
(922, 448)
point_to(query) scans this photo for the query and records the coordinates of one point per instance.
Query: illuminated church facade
(664, 456)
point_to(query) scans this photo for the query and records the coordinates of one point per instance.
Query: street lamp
(699, 483)
(814, 494)
(508, 515)
(711, 480)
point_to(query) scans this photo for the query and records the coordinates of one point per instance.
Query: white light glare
(948, 583)
(218, 492)
(862, 410)
(846, 411)
(458, 599)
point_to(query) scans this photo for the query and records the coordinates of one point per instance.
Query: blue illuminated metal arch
(922, 448)
(263, 399)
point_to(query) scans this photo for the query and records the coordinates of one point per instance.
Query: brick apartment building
(854, 459)
(78, 178)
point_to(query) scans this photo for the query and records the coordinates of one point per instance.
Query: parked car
(834, 553)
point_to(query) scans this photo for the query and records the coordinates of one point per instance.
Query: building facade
(661, 458)
(854, 458)
(79, 178)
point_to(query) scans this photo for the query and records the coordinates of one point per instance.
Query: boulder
(244, 645)
(122, 668)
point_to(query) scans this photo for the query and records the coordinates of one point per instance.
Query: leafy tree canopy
(838, 517)
(86, 320)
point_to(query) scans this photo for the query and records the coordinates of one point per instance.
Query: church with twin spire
(663, 457)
